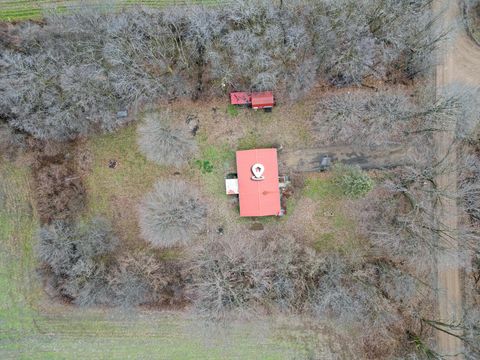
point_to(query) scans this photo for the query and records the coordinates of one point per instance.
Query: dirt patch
(458, 64)
(381, 157)
(248, 128)
(59, 190)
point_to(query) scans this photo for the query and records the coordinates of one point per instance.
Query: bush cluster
(279, 273)
(239, 274)
(83, 265)
(78, 258)
(75, 73)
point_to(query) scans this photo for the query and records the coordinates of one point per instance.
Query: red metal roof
(239, 98)
(258, 197)
(262, 99)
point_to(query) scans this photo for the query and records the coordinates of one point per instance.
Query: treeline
(70, 74)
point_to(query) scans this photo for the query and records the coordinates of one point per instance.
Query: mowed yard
(316, 211)
(12, 10)
(34, 326)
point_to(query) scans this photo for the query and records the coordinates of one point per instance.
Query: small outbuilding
(257, 100)
(240, 98)
(258, 183)
(262, 100)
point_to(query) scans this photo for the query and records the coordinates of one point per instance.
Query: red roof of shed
(239, 98)
(258, 198)
(262, 99)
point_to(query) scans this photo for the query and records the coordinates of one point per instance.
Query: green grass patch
(344, 181)
(18, 227)
(115, 193)
(249, 141)
(205, 166)
(220, 156)
(321, 188)
(338, 230)
(326, 241)
(220, 160)
(232, 110)
(34, 9)
(254, 140)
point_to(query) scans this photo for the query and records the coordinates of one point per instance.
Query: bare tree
(76, 256)
(172, 214)
(141, 278)
(11, 142)
(164, 142)
(77, 71)
(243, 274)
(364, 118)
(377, 118)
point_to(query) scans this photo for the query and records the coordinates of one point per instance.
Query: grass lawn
(11, 10)
(330, 226)
(115, 193)
(18, 285)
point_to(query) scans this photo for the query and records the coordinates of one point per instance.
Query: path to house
(459, 63)
(308, 160)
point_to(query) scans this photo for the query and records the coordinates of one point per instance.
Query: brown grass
(117, 193)
(58, 190)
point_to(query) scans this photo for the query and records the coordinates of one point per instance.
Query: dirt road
(308, 160)
(459, 63)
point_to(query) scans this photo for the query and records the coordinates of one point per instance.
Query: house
(257, 183)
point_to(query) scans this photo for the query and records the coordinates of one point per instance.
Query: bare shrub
(172, 214)
(470, 325)
(400, 226)
(398, 216)
(140, 278)
(350, 50)
(364, 118)
(59, 195)
(77, 256)
(11, 142)
(469, 184)
(82, 90)
(472, 332)
(467, 101)
(163, 142)
(240, 274)
(389, 117)
(81, 265)
(372, 296)
(59, 191)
